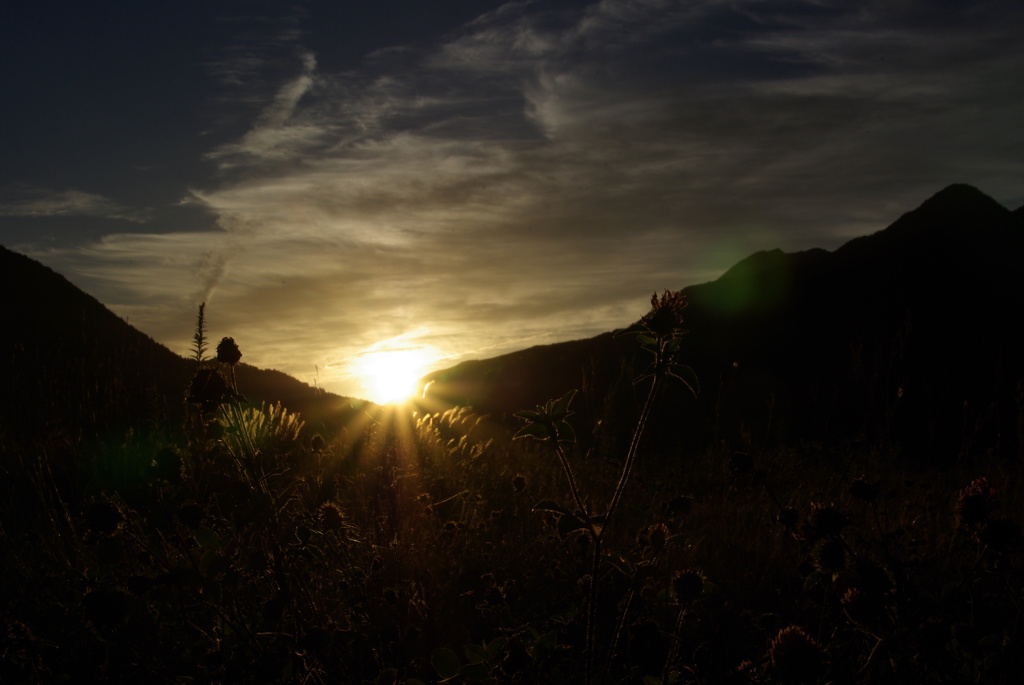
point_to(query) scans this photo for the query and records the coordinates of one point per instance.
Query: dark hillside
(907, 336)
(70, 366)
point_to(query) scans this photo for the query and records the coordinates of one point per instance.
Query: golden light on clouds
(517, 177)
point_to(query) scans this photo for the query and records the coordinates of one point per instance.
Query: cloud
(273, 134)
(40, 202)
(535, 174)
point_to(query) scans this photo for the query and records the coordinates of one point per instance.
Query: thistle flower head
(103, 518)
(975, 503)
(666, 316)
(228, 352)
(657, 534)
(789, 517)
(688, 585)
(827, 520)
(332, 517)
(796, 657)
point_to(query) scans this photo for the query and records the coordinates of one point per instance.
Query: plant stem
(571, 478)
(597, 534)
(592, 610)
(634, 447)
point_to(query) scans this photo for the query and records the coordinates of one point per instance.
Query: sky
(461, 179)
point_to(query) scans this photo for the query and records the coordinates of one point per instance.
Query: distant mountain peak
(767, 261)
(756, 263)
(955, 218)
(905, 336)
(960, 198)
(958, 190)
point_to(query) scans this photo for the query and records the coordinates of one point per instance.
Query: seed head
(332, 516)
(827, 520)
(228, 352)
(688, 585)
(796, 657)
(658, 535)
(789, 517)
(103, 518)
(666, 315)
(975, 503)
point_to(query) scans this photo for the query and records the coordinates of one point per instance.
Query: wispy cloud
(274, 135)
(41, 202)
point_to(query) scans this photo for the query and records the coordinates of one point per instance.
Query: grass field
(405, 547)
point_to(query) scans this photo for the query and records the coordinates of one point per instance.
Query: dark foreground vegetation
(408, 547)
(840, 503)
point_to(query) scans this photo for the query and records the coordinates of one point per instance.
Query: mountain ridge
(860, 342)
(906, 336)
(72, 365)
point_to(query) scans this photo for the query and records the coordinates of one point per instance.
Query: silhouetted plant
(659, 333)
(796, 657)
(209, 388)
(228, 352)
(199, 337)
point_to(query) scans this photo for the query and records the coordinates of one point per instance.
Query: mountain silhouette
(71, 368)
(906, 337)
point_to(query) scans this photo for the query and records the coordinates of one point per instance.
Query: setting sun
(391, 376)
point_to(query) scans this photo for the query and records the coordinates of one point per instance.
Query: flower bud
(228, 352)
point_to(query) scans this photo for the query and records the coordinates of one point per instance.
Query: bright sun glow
(390, 376)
